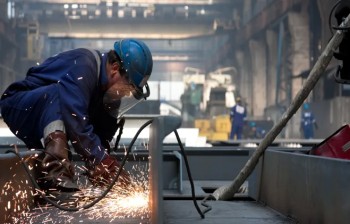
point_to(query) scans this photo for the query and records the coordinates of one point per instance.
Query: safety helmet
(136, 62)
(136, 59)
(306, 106)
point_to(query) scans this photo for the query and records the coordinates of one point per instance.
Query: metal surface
(160, 128)
(174, 206)
(307, 188)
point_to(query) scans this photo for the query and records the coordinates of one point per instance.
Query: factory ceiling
(152, 19)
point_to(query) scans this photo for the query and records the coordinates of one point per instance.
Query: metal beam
(160, 128)
(266, 17)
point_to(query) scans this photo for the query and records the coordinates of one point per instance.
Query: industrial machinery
(219, 91)
(207, 100)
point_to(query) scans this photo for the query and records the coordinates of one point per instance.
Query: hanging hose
(189, 176)
(121, 127)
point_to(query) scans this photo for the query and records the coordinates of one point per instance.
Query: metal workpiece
(310, 189)
(161, 126)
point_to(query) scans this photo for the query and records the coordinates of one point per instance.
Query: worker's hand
(104, 173)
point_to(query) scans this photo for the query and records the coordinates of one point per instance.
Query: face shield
(120, 98)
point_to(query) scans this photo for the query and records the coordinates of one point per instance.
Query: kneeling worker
(78, 96)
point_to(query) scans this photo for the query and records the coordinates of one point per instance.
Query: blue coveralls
(307, 122)
(237, 115)
(64, 88)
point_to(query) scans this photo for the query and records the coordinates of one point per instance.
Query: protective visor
(122, 97)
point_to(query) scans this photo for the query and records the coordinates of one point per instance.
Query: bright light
(66, 6)
(74, 6)
(84, 12)
(10, 10)
(109, 13)
(170, 58)
(133, 13)
(109, 4)
(116, 35)
(120, 13)
(179, 2)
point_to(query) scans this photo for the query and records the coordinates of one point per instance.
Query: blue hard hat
(306, 106)
(136, 59)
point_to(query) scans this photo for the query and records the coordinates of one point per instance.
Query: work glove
(104, 173)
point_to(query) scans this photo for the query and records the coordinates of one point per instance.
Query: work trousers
(29, 114)
(236, 130)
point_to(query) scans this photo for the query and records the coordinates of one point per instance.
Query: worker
(255, 131)
(78, 96)
(308, 122)
(251, 133)
(238, 114)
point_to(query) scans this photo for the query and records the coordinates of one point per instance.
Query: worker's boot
(57, 169)
(104, 173)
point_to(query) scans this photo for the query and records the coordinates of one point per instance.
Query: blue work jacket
(237, 115)
(88, 125)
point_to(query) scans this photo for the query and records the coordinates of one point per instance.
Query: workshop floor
(178, 209)
(184, 212)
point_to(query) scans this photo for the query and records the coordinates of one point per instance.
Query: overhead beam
(114, 29)
(265, 18)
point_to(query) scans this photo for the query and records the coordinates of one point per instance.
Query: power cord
(191, 179)
(121, 127)
(89, 205)
(95, 201)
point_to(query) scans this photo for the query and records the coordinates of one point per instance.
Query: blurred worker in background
(255, 131)
(78, 96)
(308, 122)
(237, 115)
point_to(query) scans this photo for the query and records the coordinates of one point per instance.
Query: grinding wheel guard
(122, 97)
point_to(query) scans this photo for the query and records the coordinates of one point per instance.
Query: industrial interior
(208, 56)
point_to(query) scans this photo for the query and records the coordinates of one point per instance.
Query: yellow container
(202, 124)
(206, 134)
(223, 124)
(219, 136)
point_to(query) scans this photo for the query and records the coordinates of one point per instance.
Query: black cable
(204, 203)
(189, 175)
(74, 209)
(121, 127)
